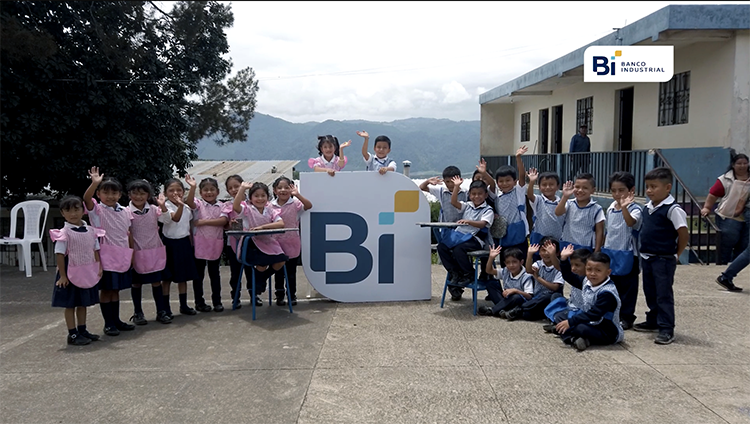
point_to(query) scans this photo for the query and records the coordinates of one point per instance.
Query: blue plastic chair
(245, 241)
(477, 285)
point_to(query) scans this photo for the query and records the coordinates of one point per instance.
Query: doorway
(557, 128)
(625, 126)
(543, 131)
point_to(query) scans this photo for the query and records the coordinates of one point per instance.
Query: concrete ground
(407, 362)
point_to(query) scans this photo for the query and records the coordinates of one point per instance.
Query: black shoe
(452, 277)
(203, 308)
(138, 319)
(86, 334)
(645, 327)
(111, 331)
(513, 314)
(581, 344)
(258, 301)
(163, 318)
(487, 298)
(294, 301)
(170, 314)
(124, 326)
(503, 314)
(626, 325)
(549, 328)
(239, 305)
(727, 284)
(78, 340)
(188, 311)
(280, 301)
(465, 279)
(218, 307)
(664, 338)
(484, 310)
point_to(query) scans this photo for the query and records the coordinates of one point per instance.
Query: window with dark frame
(585, 114)
(526, 126)
(674, 100)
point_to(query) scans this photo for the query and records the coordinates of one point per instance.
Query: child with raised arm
(584, 218)
(208, 239)
(510, 202)
(381, 162)
(624, 219)
(572, 266)
(598, 322)
(663, 238)
(331, 157)
(78, 269)
(517, 285)
(548, 280)
(473, 234)
(232, 184)
(546, 222)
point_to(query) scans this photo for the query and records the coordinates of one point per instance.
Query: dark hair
(208, 181)
(382, 138)
(110, 183)
(233, 177)
(600, 257)
(549, 175)
(145, 186)
(662, 174)
(69, 202)
(280, 179)
(734, 157)
(586, 176)
(624, 177)
(553, 240)
(506, 171)
(259, 186)
(171, 181)
(476, 171)
(478, 184)
(581, 255)
(322, 139)
(583, 126)
(450, 172)
(514, 252)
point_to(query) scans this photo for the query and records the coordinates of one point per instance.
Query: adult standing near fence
(580, 143)
(732, 189)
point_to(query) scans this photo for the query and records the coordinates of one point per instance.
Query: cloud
(454, 93)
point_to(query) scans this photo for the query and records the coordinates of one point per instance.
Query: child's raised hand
(363, 134)
(522, 150)
(533, 175)
(95, 176)
(534, 248)
(457, 180)
(190, 180)
(495, 251)
(434, 180)
(161, 200)
(345, 144)
(568, 188)
(482, 167)
(550, 248)
(245, 185)
(293, 190)
(177, 199)
(625, 201)
(331, 172)
(566, 252)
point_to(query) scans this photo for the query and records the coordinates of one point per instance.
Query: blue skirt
(72, 296)
(180, 260)
(255, 256)
(115, 280)
(142, 279)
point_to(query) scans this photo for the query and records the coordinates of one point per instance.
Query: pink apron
(115, 252)
(267, 244)
(209, 239)
(150, 254)
(289, 212)
(83, 269)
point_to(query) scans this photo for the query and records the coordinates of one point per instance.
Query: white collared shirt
(176, 230)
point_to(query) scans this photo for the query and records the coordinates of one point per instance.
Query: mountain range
(430, 144)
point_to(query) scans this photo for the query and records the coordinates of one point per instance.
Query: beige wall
(715, 97)
(496, 129)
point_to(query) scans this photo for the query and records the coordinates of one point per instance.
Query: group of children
(176, 236)
(573, 240)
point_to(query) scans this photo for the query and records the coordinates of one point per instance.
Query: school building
(687, 123)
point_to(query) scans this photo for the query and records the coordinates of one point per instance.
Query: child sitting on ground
(548, 280)
(572, 266)
(517, 285)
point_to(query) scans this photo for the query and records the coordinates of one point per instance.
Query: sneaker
(581, 344)
(92, 337)
(465, 279)
(239, 306)
(280, 301)
(513, 314)
(626, 325)
(138, 319)
(727, 284)
(484, 310)
(170, 314)
(258, 301)
(503, 314)
(78, 340)
(163, 318)
(645, 327)
(218, 307)
(294, 301)
(549, 328)
(203, 308)
(111, 331)
(124, 326)
(188, 311)
(664, 338)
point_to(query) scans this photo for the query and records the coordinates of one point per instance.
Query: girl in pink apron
(331, 157)
(264, 251)
(208, 238)
(149, 256)
(232, 184)
(78, 269)
(289, 204)
(176, 238)
(116, 249)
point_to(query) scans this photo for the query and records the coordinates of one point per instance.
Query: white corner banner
(360, 241)
(628, 64)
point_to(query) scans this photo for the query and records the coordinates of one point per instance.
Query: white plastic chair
(33, 212)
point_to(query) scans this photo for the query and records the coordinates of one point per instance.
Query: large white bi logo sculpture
(360, 241)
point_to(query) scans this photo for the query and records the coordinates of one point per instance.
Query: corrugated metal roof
(251, 170)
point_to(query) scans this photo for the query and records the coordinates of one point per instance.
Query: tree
(120, 85)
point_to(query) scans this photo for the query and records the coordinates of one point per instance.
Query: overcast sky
(382, 61)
